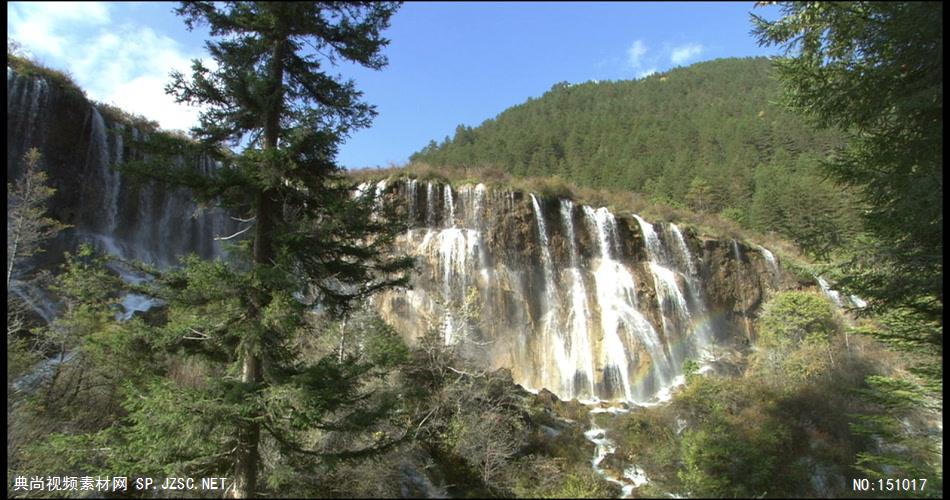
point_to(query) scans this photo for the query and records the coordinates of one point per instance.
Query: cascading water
(674, 312)
(449, 218)
(553, 341)
(479, 204)
(412, 188)
(130, 219)
(36, 299)
(26, 104)
(99, 159)
(430, 204)
(581, 354)
(702, 328)
(835, 296)
(683, 249)
(563, 316)
(621, 320)
(737, 256)
(774, 270)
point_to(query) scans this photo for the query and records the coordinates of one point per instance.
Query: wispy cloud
(645, 73)
(125, 65)
(685, 53)
(635, 54)
(41, 26)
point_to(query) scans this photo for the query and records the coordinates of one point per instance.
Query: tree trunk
(16, 243)
(245, 466)
(342, 339)
(249, 432)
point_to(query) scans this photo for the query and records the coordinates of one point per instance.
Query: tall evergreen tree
(875, 71)
(311, 236)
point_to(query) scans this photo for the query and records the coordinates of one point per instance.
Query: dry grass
(27, 67)
(118, 115)
(619, 202)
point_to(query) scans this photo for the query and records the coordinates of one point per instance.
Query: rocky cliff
(134, 218)
(576, 299)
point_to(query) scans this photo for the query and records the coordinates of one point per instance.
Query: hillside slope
(710, 136)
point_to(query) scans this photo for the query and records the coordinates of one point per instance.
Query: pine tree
(875, 71)
(27, 225)
(311, 238)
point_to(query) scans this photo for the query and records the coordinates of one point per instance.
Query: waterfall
(479, 205)
(26, 100)
(454, 249)
(683, 250)
(554, 355)
(575, 306)
(579, 315)
(606, 227)
(476, 201)
(430, 204)
(703, 329)
(98, 156)
(35, 298)
(771, 263)
(411, 188)
(378, 196)
(737, 255)
(620, 318)
(449, 207)
(674, 312)
(655, 250)
(835, 296)
(831, 294)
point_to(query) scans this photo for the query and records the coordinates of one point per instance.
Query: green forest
(711, 137)
(272, 370)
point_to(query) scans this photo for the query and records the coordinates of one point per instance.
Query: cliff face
(575, 299)
(137, 219)
(583, 302)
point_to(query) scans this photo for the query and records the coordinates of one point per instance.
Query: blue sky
(449, 62)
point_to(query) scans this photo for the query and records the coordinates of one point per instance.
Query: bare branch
(219, 238)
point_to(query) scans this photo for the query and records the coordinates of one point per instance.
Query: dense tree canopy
(875, 71)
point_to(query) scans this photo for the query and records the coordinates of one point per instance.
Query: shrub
(794, 315)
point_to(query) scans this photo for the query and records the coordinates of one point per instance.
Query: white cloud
(126, 64)
(41, 26)
(646, 73)
(685, 53)
(635, 54)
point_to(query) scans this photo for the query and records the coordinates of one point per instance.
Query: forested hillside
(710, 136)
